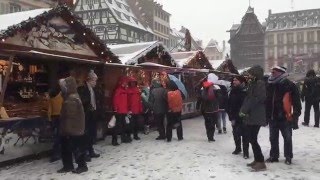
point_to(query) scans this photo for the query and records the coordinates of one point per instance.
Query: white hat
(279, 68)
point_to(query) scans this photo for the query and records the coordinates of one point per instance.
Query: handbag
(112, 122)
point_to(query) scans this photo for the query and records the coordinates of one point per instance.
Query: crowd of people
(251, 102)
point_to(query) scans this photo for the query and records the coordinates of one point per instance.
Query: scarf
(274, 80)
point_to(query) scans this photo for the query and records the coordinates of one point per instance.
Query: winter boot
(65, 170)
(259, 166)
(305, 124)
(272, 160)
(252, 163)
(160, 138)
(236, 152)
(114, 141)
(219, 131)
(146, 129)
(224, 130)
(211, 139)
(80, 170)
(288, 161)
(245, 155)
(136, 137)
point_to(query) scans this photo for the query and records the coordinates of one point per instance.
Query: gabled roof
(250, 12)
(213, 44)
(129, 54)
(27, 20)
(293, 20)
(184, 59)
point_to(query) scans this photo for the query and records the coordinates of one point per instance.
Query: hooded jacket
(205, 104)
(120, 97)
(254, 103)
(158, 98)
(134, 98)
(72, 118)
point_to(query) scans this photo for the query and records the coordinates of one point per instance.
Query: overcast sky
(208, 19)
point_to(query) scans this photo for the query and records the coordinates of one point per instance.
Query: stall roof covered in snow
(216, 63)
(13, 23)
(130, 53)
(185, 59)
(11, 19)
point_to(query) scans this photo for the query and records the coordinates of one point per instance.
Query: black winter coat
(274, 102)
(235, 100)
(310, 89)
(223, 98)
(206, 105)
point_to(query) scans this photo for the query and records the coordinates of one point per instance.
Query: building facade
(247, 41)
(152, 15)
(293, 40)
(12, 6)
(213, 51)
(113, 21)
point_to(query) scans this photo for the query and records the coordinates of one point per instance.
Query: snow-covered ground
(192, 158)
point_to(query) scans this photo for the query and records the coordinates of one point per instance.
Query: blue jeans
(222, 120)
(286, 130)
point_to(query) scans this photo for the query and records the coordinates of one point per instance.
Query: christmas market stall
(37, 48)
(132, 57)
(195, 65)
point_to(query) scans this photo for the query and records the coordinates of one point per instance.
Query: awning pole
(3, 113)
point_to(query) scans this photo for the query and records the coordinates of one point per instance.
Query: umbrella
(179, 84)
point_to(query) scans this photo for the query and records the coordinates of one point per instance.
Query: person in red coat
(135, 106)
(120, 107)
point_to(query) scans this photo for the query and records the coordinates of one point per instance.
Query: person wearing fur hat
(72, 127)
(89, 101)
(279, 86)
(253, 112)
(240, 131)
(311, 95)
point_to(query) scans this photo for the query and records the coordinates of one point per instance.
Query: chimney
(270, 12)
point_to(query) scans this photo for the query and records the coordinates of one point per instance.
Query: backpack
(175, 101)
(208, 93)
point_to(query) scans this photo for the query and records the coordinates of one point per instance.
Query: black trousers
(253, 131)
(174, 119)
(73, 145)
(308, 106)
(286, 130)
(56, 146)
(159, 118)
(210, 121)
(120, 128)
(240, 130)
(134, 124)
(91, 130)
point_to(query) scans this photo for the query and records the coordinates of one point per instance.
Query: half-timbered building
(112, 21)
(247, 41)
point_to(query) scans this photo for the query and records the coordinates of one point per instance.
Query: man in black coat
(278, 86)
(235, 100)
(89, 100)
(311, 95)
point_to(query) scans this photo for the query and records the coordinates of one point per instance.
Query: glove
(242, 115)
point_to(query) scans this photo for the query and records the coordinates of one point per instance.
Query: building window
(290, 38)
(290, 50)
(280, 38)
(280, 52)
(14, 8)
(270, 39)
(300, 37)
(310, 48)
(310, 36)
(270, 53)
(300, 49)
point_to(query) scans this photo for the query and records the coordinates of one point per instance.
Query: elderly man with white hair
(89, 101)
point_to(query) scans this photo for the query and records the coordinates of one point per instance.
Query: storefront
(47, 45)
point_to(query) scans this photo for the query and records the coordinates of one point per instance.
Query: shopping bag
(112, 122)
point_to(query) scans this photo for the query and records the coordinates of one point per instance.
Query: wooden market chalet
(247, 41)
(113, 21)
(41, 46)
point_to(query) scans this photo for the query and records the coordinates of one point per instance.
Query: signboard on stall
(189, 108)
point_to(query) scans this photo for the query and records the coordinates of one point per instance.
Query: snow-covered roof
(122, 11)
(130, 53)
(216, 63)
(183, 58)
(177, 33)
(11, 19)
